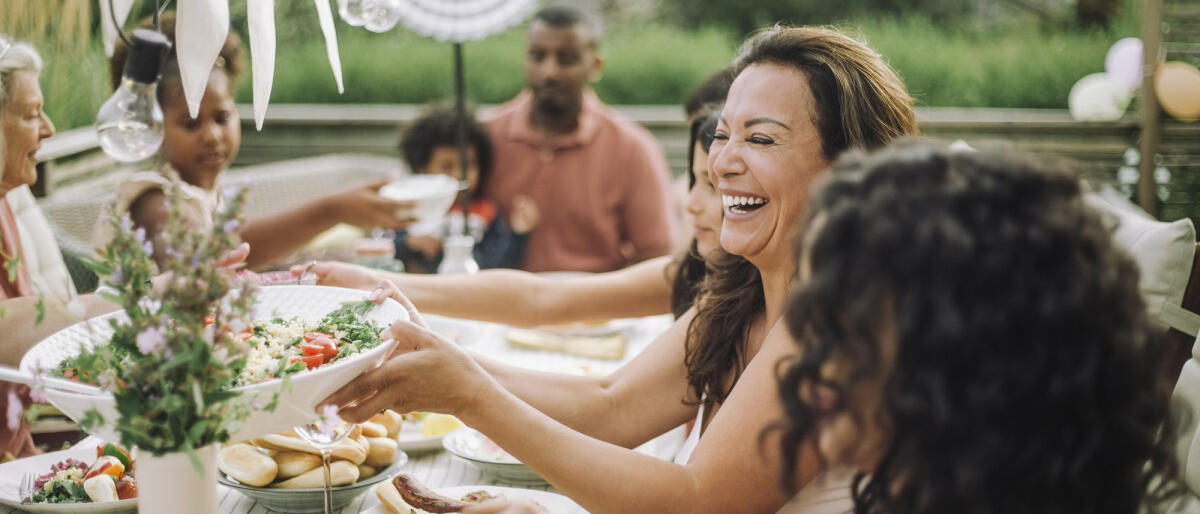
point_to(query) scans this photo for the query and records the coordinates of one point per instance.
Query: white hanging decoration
(107, 30)
(198, 42)
(462, 20)
(331, 45)
(260, 16)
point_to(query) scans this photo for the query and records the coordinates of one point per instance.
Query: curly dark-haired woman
(972, 342)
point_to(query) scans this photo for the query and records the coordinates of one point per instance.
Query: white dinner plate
(472, 446)
(10, 483)
(555, 503)
(411, 440)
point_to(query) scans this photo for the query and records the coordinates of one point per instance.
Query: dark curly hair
(690, 269)
(229, 60)
(1009, 348)
(860, 103)
(438, 127)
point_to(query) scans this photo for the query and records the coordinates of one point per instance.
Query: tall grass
(1014, 66)
(1011, 64)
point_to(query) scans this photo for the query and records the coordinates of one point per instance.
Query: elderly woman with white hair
(33, 263)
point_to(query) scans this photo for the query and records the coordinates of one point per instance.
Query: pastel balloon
(1124, 62)
(1098, 97)
(1177, 86)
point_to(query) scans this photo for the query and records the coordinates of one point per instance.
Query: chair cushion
(1163, 252)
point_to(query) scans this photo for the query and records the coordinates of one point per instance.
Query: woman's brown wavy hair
(862, 104)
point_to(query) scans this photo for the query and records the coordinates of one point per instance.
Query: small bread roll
(355, 431)
(365, 471)
(365, 443)
(370, 429)
(390, 498)
(383, 451)
(293, 464)
(340, 473)
(346, 449)
(247, 465)
(391, 421)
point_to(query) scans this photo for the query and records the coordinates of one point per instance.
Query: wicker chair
(274, 186)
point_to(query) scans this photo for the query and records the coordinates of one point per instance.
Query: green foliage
(170, 365)
(745, 16)
(1017, 62)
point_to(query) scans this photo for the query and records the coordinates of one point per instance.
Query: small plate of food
(79, 480)
(423, 431)
(283, 472)
(479, 450)
(405, 495)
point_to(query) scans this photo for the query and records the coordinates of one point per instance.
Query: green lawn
(1013, 66)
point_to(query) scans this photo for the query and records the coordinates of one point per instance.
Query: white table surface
(441, 469)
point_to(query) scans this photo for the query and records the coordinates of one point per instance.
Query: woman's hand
(424, 372)
(340, 274)
(502, 505)
(364, 208)
(525, 214)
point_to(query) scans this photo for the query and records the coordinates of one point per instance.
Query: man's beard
(555, 104)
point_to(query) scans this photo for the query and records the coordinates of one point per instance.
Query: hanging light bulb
(351, 12)
(129, 125)
(381, 15)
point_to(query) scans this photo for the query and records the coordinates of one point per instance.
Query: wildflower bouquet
(170, 365)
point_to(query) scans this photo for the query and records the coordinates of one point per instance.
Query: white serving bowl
(311, 500)
(307, 387)
(431, 194)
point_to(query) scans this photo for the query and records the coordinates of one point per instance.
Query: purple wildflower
(231, 226)
(140, 234)
(15, 410)
(107, 383)
(330, 421)
(118, 276)
(126, 223)
(37, 390)
(148, 247)
(195, 261)
(152, 340)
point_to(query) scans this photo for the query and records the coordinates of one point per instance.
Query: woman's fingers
(386, 288)
(236, 258)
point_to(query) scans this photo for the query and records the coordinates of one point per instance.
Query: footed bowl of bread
(283, 472)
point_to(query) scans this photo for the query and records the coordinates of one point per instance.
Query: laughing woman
(801, 97)
(971, 341)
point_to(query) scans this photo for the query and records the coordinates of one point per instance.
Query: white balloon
(1124, 62)
(1098, 97)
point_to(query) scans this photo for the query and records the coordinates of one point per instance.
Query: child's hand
(429, 246)
(364, 208)
(525, 214)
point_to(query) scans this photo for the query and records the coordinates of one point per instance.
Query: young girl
(196, 151)
(429, 147)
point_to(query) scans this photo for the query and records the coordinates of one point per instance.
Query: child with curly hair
(429, 146)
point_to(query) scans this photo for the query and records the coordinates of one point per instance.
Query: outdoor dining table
(441, 469)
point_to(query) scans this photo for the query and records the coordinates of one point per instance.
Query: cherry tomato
(312, 349)
(309, 336)
(312, 361)
(210, 319)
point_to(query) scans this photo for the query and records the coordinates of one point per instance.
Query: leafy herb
(61, 491)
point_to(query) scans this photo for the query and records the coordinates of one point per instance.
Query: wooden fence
(293, 131)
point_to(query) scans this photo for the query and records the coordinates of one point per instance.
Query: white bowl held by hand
(431, 194)
(307, 387)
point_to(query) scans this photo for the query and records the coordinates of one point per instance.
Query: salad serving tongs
(12, 374)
